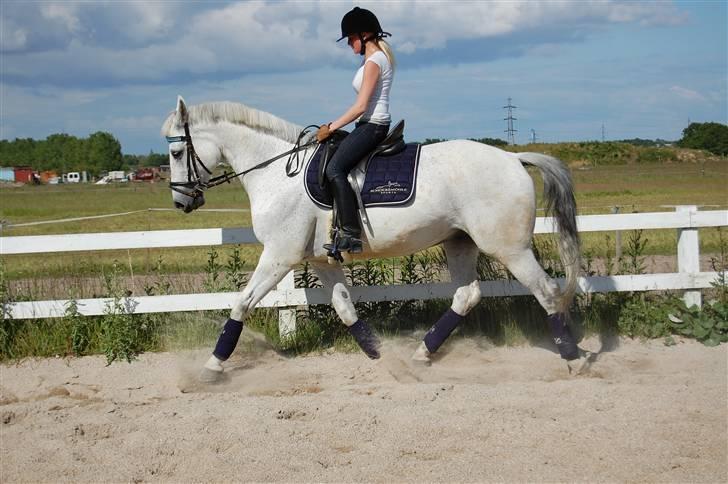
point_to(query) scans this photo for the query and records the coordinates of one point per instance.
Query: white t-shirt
(377, 110)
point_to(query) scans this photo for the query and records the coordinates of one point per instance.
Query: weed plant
(120, 335)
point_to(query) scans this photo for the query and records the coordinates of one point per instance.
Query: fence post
(617, 240)
(688, 255)
(286, 317)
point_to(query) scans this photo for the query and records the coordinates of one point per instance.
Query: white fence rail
(687, 220)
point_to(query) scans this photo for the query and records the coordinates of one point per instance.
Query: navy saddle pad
(389, 180)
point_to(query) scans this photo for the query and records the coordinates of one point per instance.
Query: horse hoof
(210, 376)
(421, 355)
(581, 365)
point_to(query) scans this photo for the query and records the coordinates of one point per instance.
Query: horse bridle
(195, 186)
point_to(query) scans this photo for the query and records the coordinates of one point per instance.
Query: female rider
(371, 112)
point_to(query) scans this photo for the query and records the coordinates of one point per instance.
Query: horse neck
(245, 147)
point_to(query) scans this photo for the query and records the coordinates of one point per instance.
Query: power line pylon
(510, 132)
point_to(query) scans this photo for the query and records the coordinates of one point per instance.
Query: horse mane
(237, 113)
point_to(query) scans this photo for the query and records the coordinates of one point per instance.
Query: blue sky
(641, 69)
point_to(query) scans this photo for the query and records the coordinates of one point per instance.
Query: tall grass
(634, 188)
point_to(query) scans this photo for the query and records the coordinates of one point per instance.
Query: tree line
(100, 152)
(709, 136)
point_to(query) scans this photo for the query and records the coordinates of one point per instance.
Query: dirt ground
(643, 412)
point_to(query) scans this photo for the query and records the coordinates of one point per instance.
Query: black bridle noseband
(195, 186)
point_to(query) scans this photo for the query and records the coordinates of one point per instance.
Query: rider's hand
(323, 133)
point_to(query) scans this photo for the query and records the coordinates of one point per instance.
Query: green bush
(706, 136)
(708, 324)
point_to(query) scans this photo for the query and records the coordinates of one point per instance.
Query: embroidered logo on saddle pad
(389, 180)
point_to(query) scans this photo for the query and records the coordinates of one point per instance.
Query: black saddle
(391, 145)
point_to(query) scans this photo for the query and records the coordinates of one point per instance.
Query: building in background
(7, 174)
(49, 176)
(24, 174)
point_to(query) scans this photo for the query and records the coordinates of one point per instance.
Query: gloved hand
(323, 133)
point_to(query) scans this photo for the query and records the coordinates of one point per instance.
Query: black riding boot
(350, 234)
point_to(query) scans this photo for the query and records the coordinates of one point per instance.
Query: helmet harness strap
(363, 43)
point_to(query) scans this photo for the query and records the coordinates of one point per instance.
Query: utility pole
(602, 132)
(509, 130)
(533, 135)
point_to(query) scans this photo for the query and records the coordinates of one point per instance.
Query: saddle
(390, 146)
(387, 176)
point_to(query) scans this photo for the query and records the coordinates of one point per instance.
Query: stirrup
(349, 244)
(333, 252)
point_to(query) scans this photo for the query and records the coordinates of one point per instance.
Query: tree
(706, 136)
(63, 153)
(104, 152)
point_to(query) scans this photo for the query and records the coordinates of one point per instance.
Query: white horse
(470, 197)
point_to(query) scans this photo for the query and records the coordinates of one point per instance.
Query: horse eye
(176, 154)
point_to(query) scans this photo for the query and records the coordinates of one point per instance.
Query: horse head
(191, 164)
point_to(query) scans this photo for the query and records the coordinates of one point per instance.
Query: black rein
(198, 186)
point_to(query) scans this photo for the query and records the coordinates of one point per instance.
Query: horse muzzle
(189, 203)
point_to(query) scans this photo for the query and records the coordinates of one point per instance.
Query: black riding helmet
(360, 20)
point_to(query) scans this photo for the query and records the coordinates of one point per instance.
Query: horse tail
(558, 190)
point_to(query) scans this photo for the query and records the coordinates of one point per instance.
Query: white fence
(686, 220)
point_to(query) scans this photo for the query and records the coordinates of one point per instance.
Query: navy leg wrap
(228, 339)
(365, 338)
(441, 330)
(564, 339)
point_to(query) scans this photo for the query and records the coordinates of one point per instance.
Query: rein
(193, 160)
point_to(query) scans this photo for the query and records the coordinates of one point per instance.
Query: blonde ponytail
(387, 49)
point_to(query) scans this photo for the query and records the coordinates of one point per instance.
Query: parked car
(146, 174)
(72, 177)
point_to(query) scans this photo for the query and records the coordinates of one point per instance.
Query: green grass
(634, 188)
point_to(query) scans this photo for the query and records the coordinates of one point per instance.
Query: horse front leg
(270, 271)
(464, 300)
(334, 280)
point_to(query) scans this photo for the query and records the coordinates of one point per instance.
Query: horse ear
(181, 114)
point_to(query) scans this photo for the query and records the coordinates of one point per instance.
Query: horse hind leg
(464, 300)
(528, 271)
(462, 258)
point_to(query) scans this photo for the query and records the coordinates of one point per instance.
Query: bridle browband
(197, 186)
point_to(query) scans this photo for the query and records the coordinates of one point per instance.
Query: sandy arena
(644, 412)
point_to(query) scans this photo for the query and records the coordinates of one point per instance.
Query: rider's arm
(368, 83)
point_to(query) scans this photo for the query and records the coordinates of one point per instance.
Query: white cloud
(63, 13)
(121, 42)
(686, 93)
(12, 37)
(431, 24)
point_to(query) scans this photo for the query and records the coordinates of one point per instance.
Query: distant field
(634, 188)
